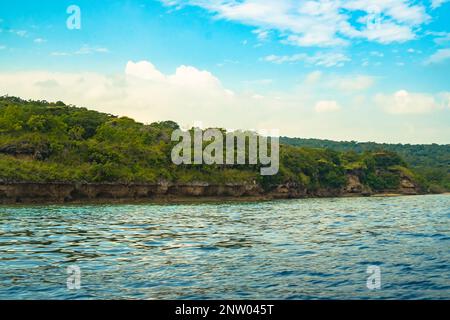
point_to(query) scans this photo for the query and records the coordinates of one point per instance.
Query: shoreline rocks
(65, 192)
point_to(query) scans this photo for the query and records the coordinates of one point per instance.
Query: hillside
(42, 142)
(432, 161)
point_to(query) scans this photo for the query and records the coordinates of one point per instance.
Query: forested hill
(431, 160)
(44, 142)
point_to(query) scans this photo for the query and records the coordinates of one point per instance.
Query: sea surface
(288, 249)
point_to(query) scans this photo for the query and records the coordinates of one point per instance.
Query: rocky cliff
(22, 192)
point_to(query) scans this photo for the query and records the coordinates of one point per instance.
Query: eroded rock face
(288, 190)
(76, 192)
(353, 184)
(407, 186)
(355, 187)
(69, 192)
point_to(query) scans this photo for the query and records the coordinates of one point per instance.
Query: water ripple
(293, 249)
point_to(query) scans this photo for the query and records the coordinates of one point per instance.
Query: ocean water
(289, 249)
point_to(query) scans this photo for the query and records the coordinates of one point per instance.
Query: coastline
(24, 193)
(196, 200)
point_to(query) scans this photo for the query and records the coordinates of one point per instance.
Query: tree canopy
(47, 142)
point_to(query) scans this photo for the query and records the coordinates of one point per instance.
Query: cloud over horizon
(404, 102)
(190, 95)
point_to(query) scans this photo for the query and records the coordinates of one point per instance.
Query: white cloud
(89, 50)
(186, 77)
(84, 50)
(257, 96)
(321, 59)
(262, 35)
(327, 106)
(144, 70)
(338, 83)
(313, 77)
(444, 39)
(404, 102)
(39, 40)
(190, 77)
(377, 54)
(353, 83)
(334, 86)
(388, 32)
(439, 56)
(437, 3)
(314, 39)
(445, 97)
(2, 47)
(20, 33)
(399, 11)
(322, 22)
(440, 37)
(59, 54)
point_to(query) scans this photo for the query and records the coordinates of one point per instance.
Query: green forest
(431, 161)
(54, 142)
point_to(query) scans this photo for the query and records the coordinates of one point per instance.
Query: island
(51, 152)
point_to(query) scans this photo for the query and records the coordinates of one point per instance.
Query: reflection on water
(293, 249)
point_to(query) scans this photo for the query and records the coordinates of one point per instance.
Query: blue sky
(346, 70)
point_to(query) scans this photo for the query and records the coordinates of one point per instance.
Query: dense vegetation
(431, 161)
(47, 142)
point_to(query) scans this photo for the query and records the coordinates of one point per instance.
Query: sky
(363, 70)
